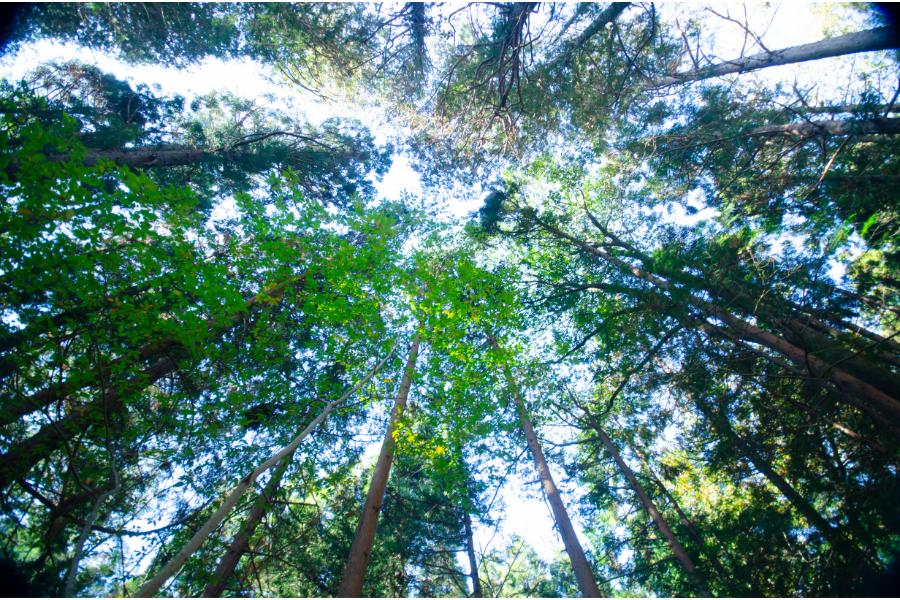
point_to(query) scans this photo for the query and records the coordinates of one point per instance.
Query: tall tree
(678, 550)
(355, 571)
(580, 566)
(241, 541)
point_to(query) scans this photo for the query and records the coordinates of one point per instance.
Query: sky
(784, 25)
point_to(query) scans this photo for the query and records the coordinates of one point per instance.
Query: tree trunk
(477, 592)
(888, 426)
(692, 530)
(828, 347)
(15, 408)
(355, 571)
(869, 397)
(586, 582)
(78, 554)
(884, 126)
(142, 158)
(678, 550)
(883, 38)
(241, 541)
(23, 455)
(866, 393)
(14, 341)
(805, 129)
(720, 423)
(145, 158)
(153, 585)
(856, 338)
(883, 109)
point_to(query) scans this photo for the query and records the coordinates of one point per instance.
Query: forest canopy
(636, 265)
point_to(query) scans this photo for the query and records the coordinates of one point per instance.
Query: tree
(355, 571)
(223, 144)
(876, 399)
(677, 549)
(580, 566)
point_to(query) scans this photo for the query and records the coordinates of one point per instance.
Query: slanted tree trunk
(661, 523)
(866, 396)
(883, 38)
(22, 456)
(155, 351)
(173, 155)
(19, 459)
(712, 555)
(828, 347)
(86, 530)
(883, 126)
(153, 585)
(583, 574)
(477, 592)
(142, 158)
(241, 541)
(805, 129)
(17, 407)
(720, 423)
(849, 108)
(360, 551)
(145, 158)
(887, 424)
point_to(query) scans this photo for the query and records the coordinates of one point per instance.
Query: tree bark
(678, 550)
(241, 541)
(153, 585)
(886, 126)
(23, 455)
(883, 38)
(607, 16)
(801, 333)
(583, 574)
(477, 592)
(869, 397)
(358, 561)
(720, 423)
